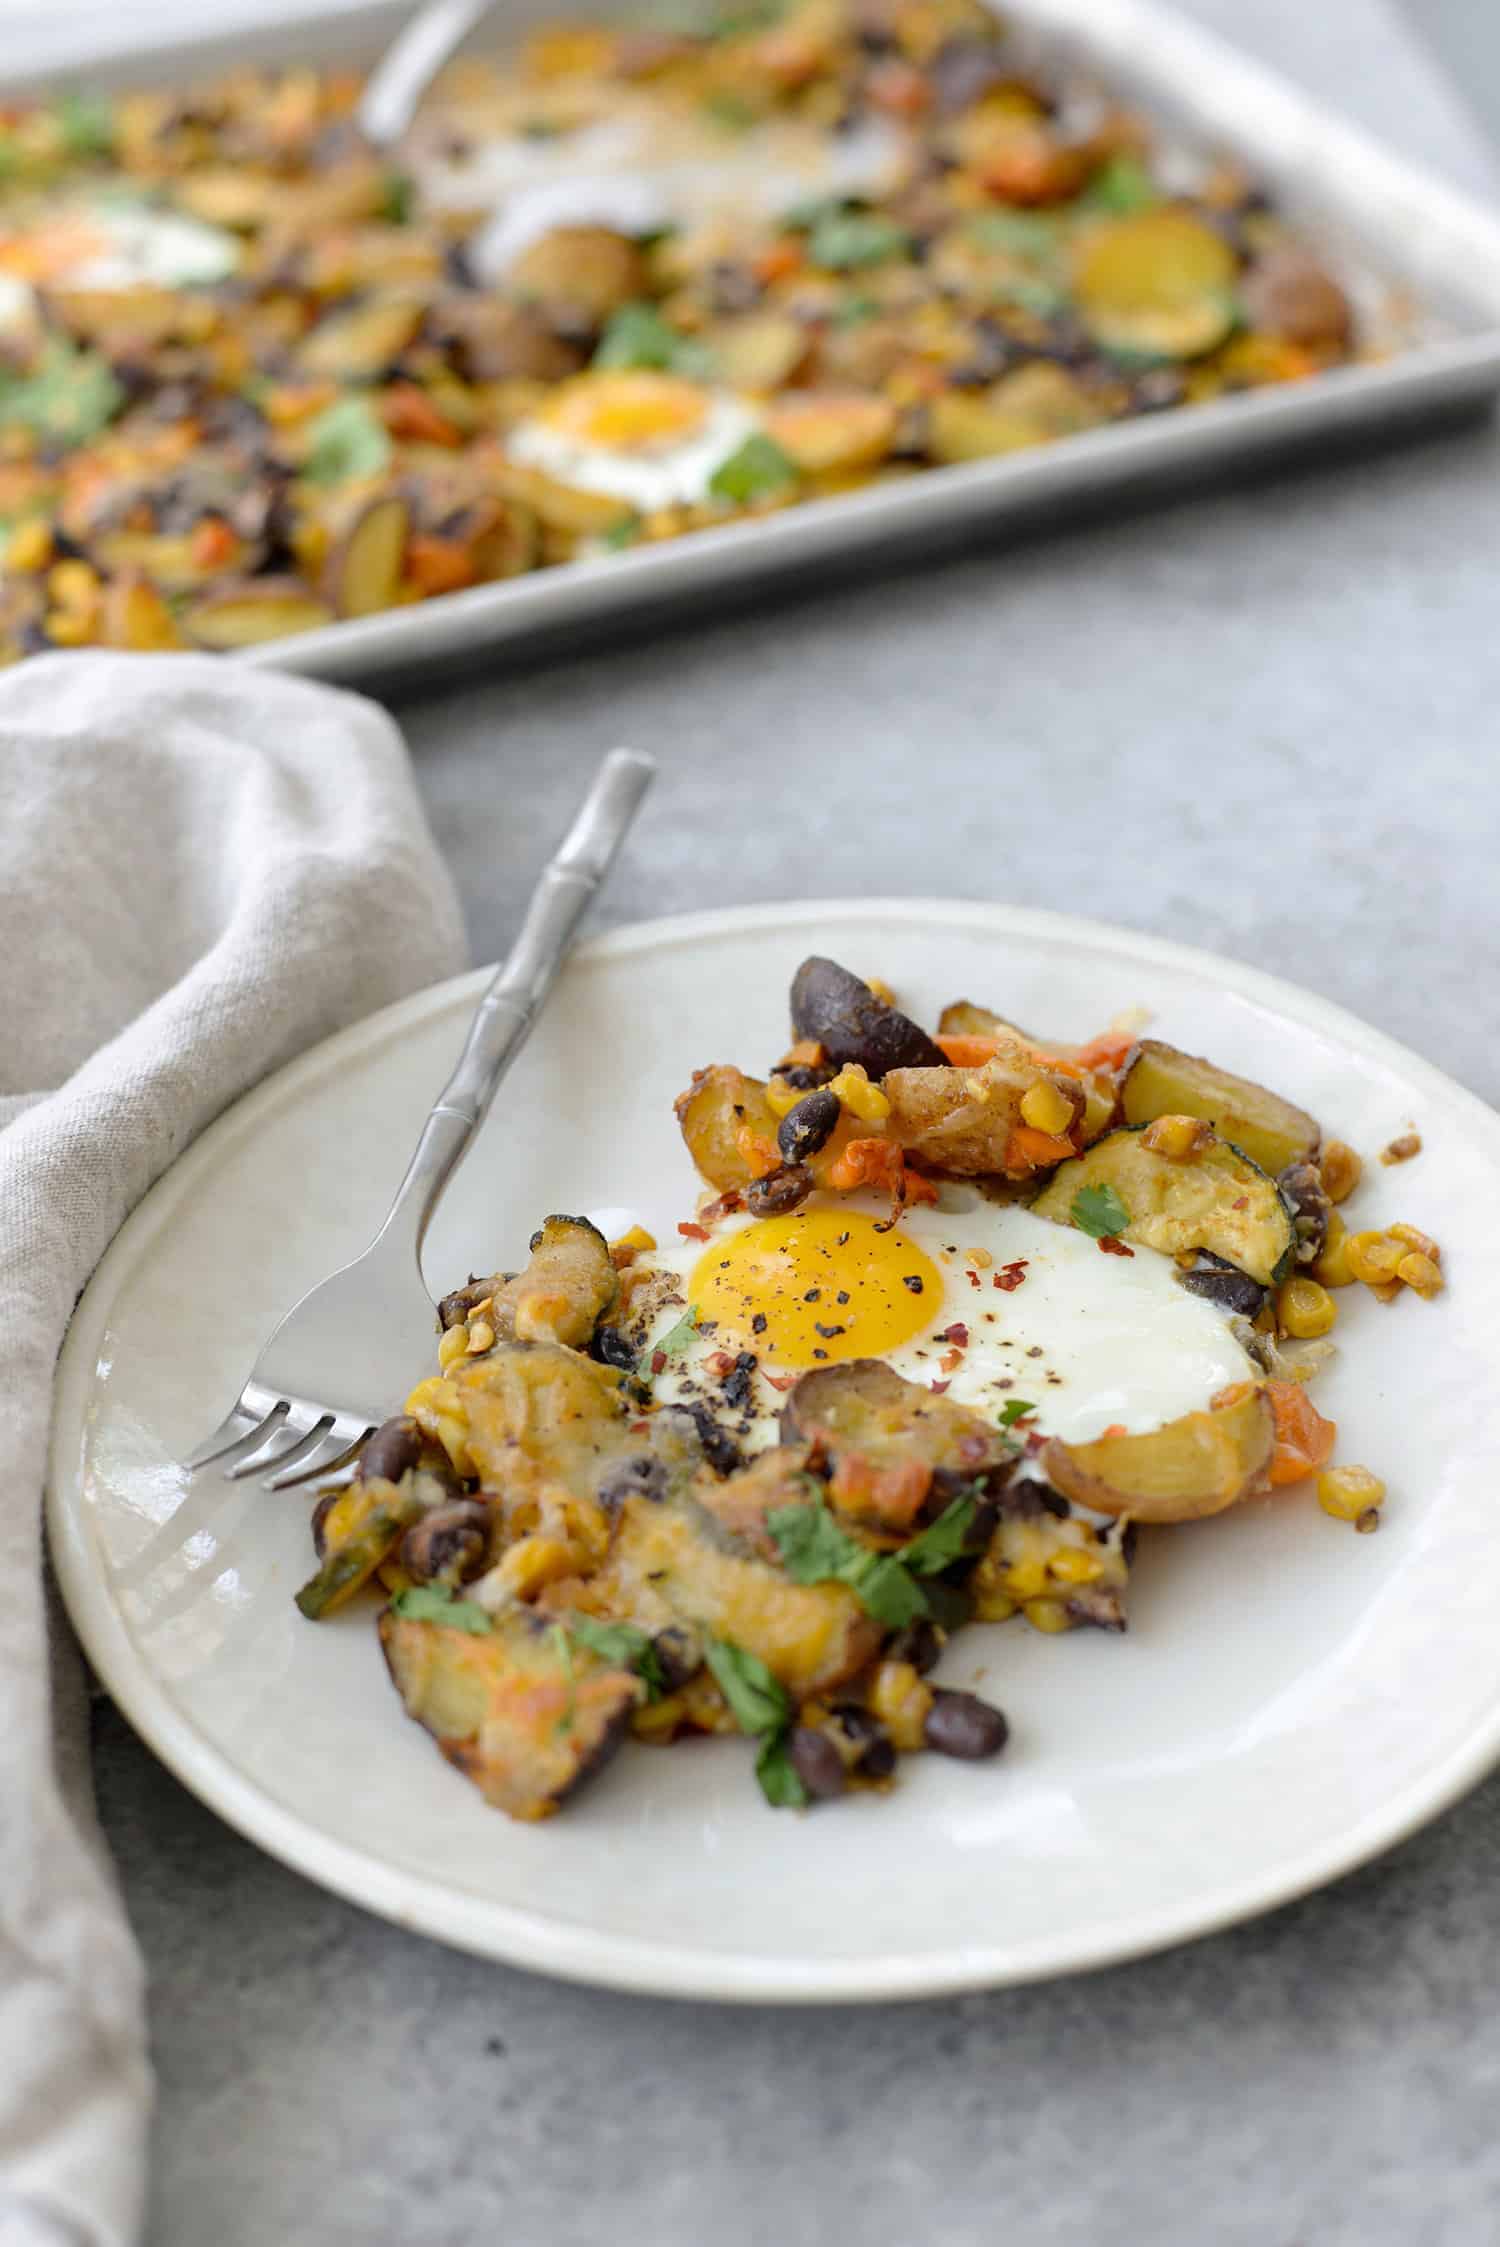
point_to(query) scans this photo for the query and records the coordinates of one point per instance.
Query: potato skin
(726, 1120)
(961, 1120)
(583, 271)
(844, 1016)
(1192, 1467)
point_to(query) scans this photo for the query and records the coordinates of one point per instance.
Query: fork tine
(235, 1429)
(334, 1449)
(291, 1454)
(291, 1428)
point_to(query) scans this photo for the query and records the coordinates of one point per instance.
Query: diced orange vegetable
(408, 412)
(760, 1155)
(1304, 1439)
(779, 260)
(969, 1052)
(807, 1053)
(879, 1162)
(1107, 1051)
(438, 565)
(893, 1494)
(898, 88)
(1030, 1149)
(213, 544)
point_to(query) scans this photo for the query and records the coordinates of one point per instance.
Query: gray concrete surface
(1265, 720)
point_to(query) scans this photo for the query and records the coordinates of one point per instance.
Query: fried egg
(982, 1301)
(115, 243)
(649, 440)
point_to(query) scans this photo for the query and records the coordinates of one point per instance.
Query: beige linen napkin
(203, 869)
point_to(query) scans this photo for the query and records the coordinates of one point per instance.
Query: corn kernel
(881, 989)
(1305, 1309)
(72, 584)
(481, 1338)
(781, 1097)
(1026, 1579)
(1349, 1492)
(992, 1606)
(1047, 1615)
(536, 1561)
(1045, 1108)
(1420, 1273)
(901, 1700)
(29, 548)
(1373, 1258)
(1074, 1566)
(1422, 1242)
(68, 628)
(1180, 1138)
(1330, 1267)
(859, 1096)
(1385, 1291)
(452, 1344)
(1341, 1170)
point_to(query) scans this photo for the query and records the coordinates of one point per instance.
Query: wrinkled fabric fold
(203, 870)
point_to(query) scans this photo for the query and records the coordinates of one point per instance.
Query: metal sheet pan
(1387, 216)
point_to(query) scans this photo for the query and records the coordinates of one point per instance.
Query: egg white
(1089, 1340)
(675, 474)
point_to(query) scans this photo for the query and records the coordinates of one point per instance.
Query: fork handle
(504, 1016)
(409, 65)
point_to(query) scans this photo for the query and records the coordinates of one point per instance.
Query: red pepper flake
(957, 1332)
(972, 1278)
(1011, 1276)
(1034, 1440)
(782, 1381)
(950, 1361)
(640, 1427)
(1243, 1202)
(722, 1363)
(658, 1360)
(1113, 1246)
(939, 1388)
(692, 1232)
(725, 1206)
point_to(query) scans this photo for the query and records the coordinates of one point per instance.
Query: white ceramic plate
(1290, 1699)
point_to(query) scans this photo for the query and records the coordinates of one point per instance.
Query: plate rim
(570, 1951)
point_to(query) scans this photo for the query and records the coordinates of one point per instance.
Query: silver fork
(326, 1377)
(409, 65)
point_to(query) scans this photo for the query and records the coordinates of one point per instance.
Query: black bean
(862, 1741)
(803, 1077)
(641, 1477)
(961, 1724)
(1302, 1190)
(817, 1762)
(783, 1190)
(964, 70)
(808, 1126)
(1224, 1284)
(719, 1447)
(395, 1446)
(737, 1382)
(611, 1347)
(451, 1542)
(679, 1655)
(920, 1644)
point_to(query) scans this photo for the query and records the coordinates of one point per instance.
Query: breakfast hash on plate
(955, 1313)
(255, 377)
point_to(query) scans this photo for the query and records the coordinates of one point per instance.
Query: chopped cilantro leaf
(1122, 185)
(67, 397)
(1016, 1409)
(758, 1701)
(1029, 234)
(759, 467)
(730, 109)
(1098, 1211)
(347, 440)
(815, 1550)
(437, 1603)
(855, 310)
(780, 1781)
(621, 534)
(638, 336)
(625, 1646)
(87, 123)
(675, 1339)
(397, 195)
(944, 1540)
(844, 241)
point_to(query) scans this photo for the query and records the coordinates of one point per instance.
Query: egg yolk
(630, 411)
(816, 1287)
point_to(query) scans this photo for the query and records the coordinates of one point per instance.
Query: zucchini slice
(1191, 1467)
(1163, 1082)
(1219, 1201)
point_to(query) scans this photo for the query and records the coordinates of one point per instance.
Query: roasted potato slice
(975, 1122)
(265, 608)
(364, 569)
(523, 1710)
(569, 1285)
(1190, 1468)
(136, 616)
(1163, 1082)
(892, 1444)
(579, 274)
(357, 1532)
(1288, 294)
(359, 344)
(843, 1015)
(1032, 406)
(1157, 284)
(729, 1127)
(532, 1420)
